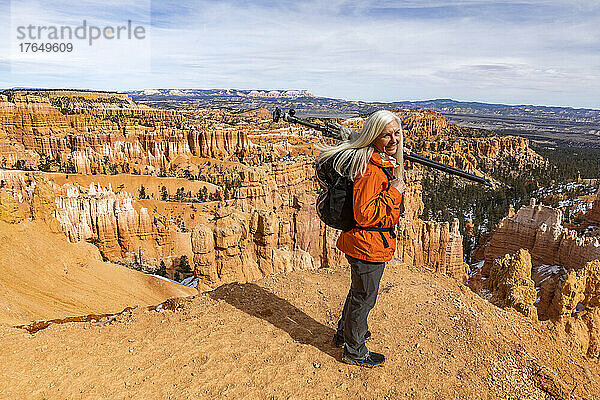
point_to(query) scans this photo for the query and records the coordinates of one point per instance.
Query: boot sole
(361, 364)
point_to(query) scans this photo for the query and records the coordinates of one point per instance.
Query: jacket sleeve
(373, 202)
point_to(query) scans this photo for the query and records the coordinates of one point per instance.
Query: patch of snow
(486, 294)
(105, 320)
(475, 268)
(551, 269)
(190, 281)
(547, 271)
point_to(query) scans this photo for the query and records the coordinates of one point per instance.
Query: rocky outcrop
(263, 220)
(565, 268)
(436, 245)
(268, 226)
(27, 195)
(95, 132)
(511, 285)
(576, 305)
(539, 230)
(241, 247)
(421, 122)
(122, 232)
(271, 227)
(571, 300)
(593, 215)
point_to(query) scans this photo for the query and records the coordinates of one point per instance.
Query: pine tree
(184, 267)
(164, 194)
(162, 270)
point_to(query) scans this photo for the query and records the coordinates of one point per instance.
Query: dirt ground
(44, 277)
(272, 339)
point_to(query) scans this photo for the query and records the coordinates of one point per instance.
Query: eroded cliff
(249, 182)
(539, 230)
(593, 215)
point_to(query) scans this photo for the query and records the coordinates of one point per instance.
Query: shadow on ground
(258, 302)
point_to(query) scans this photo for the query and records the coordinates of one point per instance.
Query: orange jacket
(373, 203)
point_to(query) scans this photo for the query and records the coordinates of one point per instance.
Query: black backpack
(334, 203)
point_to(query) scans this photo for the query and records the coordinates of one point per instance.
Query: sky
(543, 52)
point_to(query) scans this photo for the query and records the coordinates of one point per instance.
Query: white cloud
(340, 49)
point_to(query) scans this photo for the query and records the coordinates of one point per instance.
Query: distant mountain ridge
(578, 127)
(549, 125)
(501, 109)
(222, 92)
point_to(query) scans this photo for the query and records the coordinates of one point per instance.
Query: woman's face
(389, 139)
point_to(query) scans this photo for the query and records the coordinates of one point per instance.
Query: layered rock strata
(97, 214)
(539, 230)
(105, 133)
(264, 221)
(122, 232)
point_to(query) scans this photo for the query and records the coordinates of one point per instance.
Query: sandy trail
(272, 340)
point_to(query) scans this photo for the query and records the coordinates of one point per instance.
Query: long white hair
(352, 156)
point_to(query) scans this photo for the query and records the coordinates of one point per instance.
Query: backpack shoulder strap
(389, 175)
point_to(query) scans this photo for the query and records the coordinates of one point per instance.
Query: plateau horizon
(183, 92)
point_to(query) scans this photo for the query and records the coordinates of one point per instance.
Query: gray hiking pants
(360, 300)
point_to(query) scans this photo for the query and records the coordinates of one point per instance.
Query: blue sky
(514, 52)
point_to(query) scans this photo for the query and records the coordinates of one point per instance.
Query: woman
(368, 159)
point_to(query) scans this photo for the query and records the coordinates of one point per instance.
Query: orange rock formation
(263, 220)
(570, 299)
(539, 230)
(105, 133)
(511, 285)
(593, 216)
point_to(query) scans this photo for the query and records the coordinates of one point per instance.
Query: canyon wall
(121, 232)
(593, 215)
(105, 134)
(97, 214)
(259, 218)
(539, 230)
(268, 226)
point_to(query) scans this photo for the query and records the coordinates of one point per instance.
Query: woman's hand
(407, 150)
(398, 184)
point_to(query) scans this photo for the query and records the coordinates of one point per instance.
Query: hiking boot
(339, 339)
(370, 359)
